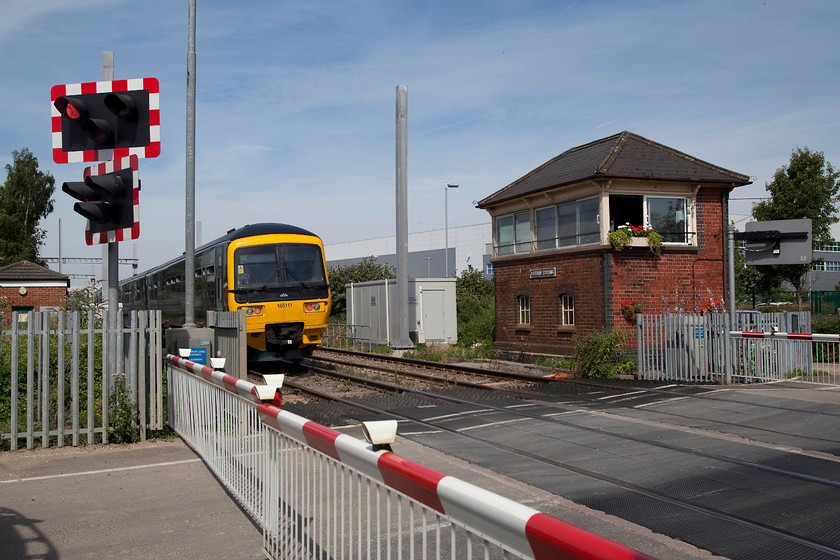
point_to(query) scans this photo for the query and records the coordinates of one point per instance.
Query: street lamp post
(446, 225)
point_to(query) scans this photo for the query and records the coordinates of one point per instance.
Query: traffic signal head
(117, 118)
(102, 121)
(107, 201)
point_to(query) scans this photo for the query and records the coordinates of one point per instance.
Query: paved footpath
(158, 500)
(150, 500)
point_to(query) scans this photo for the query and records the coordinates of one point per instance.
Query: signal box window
(667, 215)
(567, 225)
(513, 233)
(567, 310)
(524, 310)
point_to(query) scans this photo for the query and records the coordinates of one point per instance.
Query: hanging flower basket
(630, 308)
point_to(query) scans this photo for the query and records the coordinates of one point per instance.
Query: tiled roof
(622, 156)
(29, 271)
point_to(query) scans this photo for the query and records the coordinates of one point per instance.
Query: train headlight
(312, 307)
(254, 311)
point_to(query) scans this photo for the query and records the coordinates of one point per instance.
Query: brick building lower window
(524, 310)
(567, 309)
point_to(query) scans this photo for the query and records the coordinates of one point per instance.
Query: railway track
(623, 450)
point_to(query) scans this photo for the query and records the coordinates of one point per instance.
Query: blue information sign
(198, 355)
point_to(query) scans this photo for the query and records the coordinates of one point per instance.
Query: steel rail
(573, 381)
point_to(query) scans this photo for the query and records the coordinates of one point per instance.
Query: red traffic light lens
(72, 108)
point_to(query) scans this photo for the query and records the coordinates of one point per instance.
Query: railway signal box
(97, 121)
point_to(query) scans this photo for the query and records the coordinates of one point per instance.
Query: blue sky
(296, 99)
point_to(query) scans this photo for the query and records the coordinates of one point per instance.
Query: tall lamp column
(446, 226)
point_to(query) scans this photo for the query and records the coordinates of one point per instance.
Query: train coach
(275, 272)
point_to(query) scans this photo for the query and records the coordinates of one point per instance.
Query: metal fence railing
(766, 347)
(52, 387)
(346, 337)
(321, 494)
(682, 347)
(781, 356)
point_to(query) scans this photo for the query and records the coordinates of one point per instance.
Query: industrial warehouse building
(469, 246)
(557, 274)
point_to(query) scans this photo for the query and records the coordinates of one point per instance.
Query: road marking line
(118, 469)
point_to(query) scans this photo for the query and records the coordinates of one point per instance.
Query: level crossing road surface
(158, 500)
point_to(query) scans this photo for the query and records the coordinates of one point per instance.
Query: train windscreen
(282, 271)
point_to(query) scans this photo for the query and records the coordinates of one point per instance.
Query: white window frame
(518, 246)
(567, 309)
(524, 303)
(687, 218)
(555, 242)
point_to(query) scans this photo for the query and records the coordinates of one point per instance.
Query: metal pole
(112, 257)
(446, 227)
(729, 350)
(730, 241)
(189, 257)
(402, 340)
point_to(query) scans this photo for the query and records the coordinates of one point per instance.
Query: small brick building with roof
(556, 272)
(31, 287)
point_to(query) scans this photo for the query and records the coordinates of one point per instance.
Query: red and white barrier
(786, 336)
(522, 529)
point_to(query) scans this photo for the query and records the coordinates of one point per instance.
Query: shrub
(476, 308)
(600, 354)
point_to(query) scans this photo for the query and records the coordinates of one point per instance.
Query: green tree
(475, 308)
(25, 198)
(806, 188)
(364, 271)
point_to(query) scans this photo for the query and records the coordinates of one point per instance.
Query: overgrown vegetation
(123, 416)
(601, 354)
(555, 362)
(476, 310)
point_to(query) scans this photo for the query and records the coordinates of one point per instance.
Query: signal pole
(111, 259)
(189, 249)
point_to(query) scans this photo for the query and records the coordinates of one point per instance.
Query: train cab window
(303, 264)
(279, 271)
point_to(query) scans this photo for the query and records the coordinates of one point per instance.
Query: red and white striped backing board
(519, 527)
(150, 151)
(119, 234)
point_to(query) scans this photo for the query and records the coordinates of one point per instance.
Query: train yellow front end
(280, 280)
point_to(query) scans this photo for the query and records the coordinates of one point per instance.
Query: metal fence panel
(347, 337)
(57, 394)
(701, 348)
(682, 347)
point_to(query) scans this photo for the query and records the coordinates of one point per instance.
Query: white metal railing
(780, 356)
(322, 494)
(681, 347)
(702, 348)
